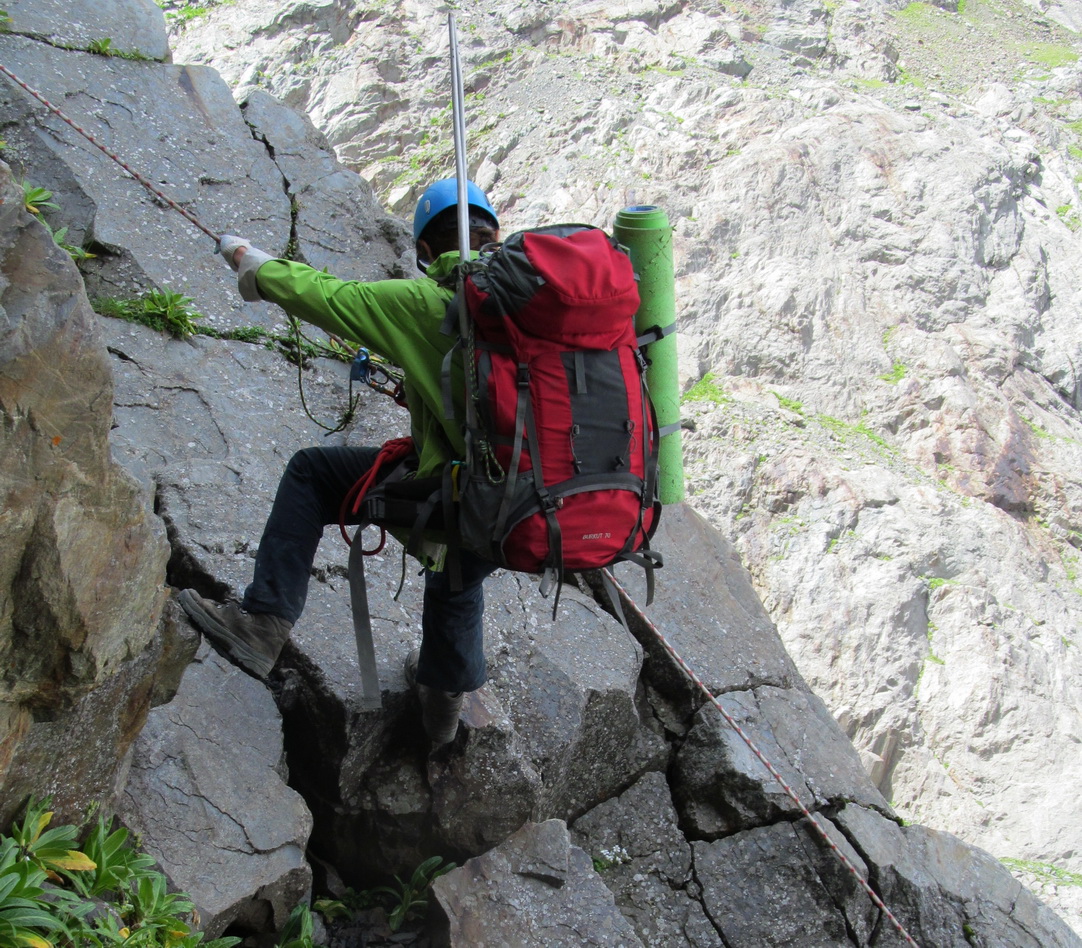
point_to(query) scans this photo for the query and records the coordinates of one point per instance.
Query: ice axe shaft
(458, 110)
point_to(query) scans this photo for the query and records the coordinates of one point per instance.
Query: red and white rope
(876, 900)
(90, 138)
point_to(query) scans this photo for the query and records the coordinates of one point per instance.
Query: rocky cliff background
(876, 220)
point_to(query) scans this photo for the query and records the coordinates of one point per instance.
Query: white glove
(250, 261)
(229, 245)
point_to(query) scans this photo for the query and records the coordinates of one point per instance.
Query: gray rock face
(134, 27)
(207, 793)
(775, 886)
(81, 565)
(535, 889)
(646, 861)
(721, 785)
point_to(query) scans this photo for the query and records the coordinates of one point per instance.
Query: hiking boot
(251, 640)
(439, 709)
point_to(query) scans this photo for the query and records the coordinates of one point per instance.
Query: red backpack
(560, 470)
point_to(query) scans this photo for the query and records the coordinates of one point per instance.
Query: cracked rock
(208, 796)
(504, 892)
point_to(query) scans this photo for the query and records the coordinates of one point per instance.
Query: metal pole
(459, 111)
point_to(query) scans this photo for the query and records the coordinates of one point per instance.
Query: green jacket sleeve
(398, 319)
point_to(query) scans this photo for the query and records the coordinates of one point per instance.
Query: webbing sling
(362, 627)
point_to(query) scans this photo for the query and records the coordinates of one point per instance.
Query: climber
(400, 320)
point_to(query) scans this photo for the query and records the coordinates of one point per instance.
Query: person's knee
(301, 464)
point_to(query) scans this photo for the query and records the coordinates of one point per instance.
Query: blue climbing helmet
(444, 194)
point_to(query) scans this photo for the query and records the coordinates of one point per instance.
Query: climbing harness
(388, 459)
(611, 585)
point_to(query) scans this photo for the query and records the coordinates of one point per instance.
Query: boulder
(947, 892)
(645, 860)
(536, 885)
(721, 785)
(179, 128)
(82, 564)
(207, 794)
(775, 885)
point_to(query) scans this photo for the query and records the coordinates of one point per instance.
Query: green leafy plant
(297, 931)
(101, 47)
(36, 199)
(162, 310)
(170, 310)
(25, 922)
(78, 254)
(115, 863)
(51, 850)
(411, 898)
(347, 906)
(105, 895)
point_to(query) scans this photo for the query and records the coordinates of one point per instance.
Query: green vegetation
(162, 310)
(105, 895)
(844, 431)
(1051, 55)
(1042, 433)
(1045, 872)
(791, 404)
(105, 47)
(896, 374)
(608, 858)
(184, 11)
(918, 14)
(403, 901)
(166, 311)
(298, 930)
(707, 390)
(37, 200)
(1069, 216)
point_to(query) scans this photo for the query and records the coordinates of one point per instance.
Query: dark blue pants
(309, 496)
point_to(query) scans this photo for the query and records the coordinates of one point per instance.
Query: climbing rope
(819, 829)
(352, 400)
(169, 202)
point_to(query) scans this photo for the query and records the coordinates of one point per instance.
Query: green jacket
(397, 319)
